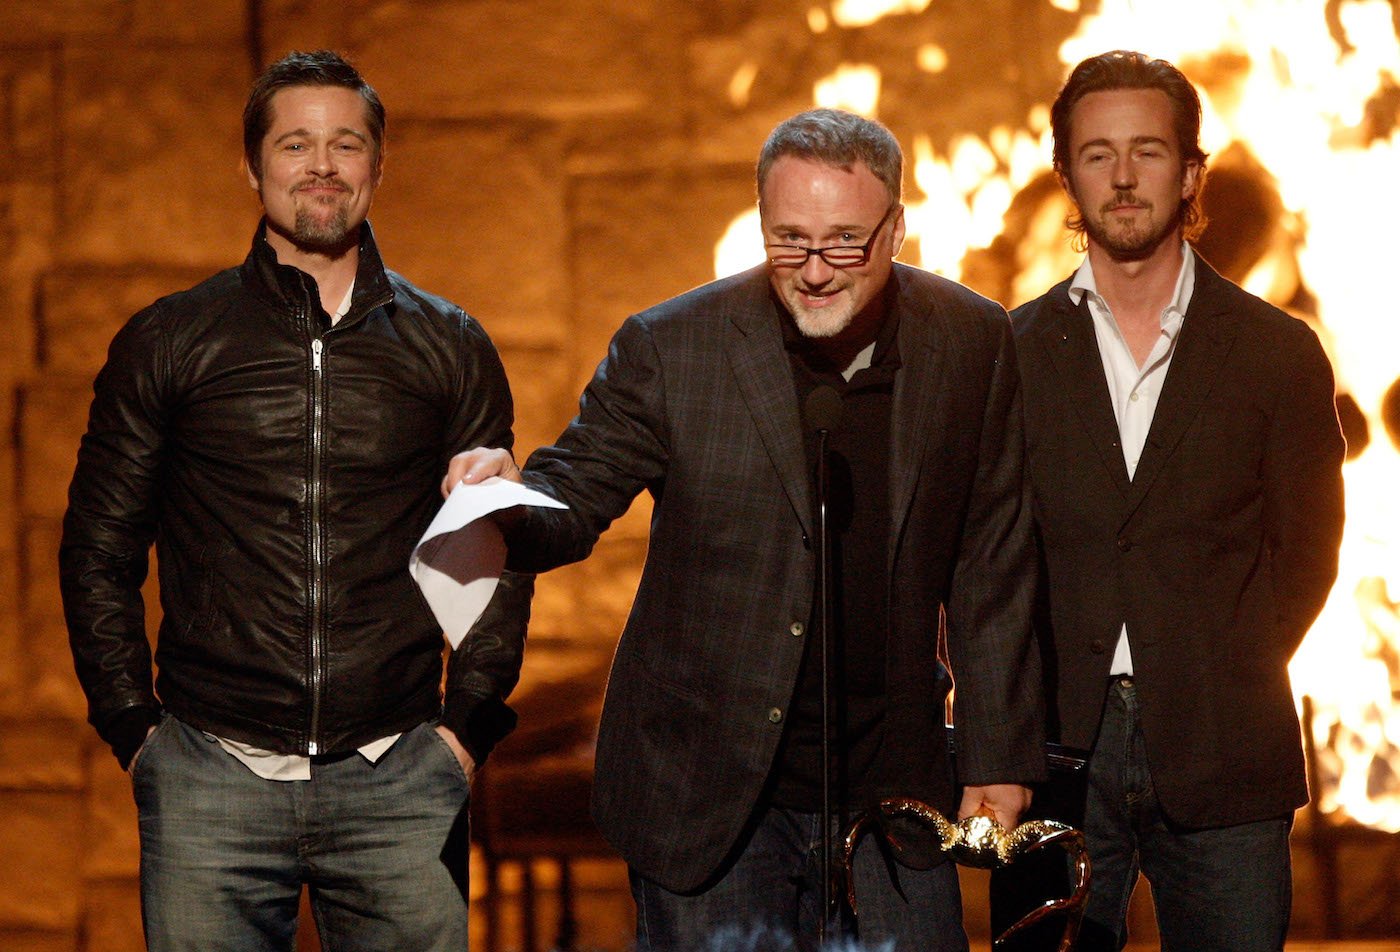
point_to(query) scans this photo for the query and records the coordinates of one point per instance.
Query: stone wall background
(552, 165)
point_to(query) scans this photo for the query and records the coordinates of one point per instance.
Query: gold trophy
(981, 842)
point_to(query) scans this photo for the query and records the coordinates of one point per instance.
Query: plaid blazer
(695, 404)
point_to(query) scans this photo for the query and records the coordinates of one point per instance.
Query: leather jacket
(284, 468)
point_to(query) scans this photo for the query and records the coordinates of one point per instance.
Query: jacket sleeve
(1303, 495)
(108, 529)
(997, 700)
(613, 449)
(485, 666)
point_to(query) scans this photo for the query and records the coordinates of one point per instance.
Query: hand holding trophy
(981, 842)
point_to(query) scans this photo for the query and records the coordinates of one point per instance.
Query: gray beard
(816, 328)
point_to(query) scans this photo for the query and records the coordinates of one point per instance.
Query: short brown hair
(317, 68)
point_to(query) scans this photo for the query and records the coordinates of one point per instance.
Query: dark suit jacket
(1218, 554)
(695, 402)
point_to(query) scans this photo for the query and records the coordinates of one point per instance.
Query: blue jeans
(769, 900)
(1217, 890)
(224, 853)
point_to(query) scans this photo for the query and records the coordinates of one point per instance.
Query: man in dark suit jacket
(709, 763)
(1185, 462)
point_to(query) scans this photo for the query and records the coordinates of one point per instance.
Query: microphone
(823, 408)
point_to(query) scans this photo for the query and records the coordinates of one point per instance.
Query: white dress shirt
(1134, 390)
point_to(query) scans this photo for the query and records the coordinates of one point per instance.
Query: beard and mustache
(1127, 239)
(313, 230)
(322, 222)
(820, 323)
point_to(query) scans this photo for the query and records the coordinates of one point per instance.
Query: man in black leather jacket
(279, 432)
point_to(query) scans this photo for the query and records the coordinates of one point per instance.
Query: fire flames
(1302, 98)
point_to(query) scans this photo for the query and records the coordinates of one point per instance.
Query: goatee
(1127, 241)
(818, 326)
(314, 232)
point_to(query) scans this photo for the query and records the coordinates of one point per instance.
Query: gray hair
(839, 139)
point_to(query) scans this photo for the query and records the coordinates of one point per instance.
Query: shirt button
(1125, 545)
(1134, 397)
(1097, 647)
(775, 715)
(797, 628)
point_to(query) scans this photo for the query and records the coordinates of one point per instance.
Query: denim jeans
(769, 900)
(224, 853)
(1216, 890)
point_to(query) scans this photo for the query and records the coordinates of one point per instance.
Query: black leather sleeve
(485, 668)
(113, 502)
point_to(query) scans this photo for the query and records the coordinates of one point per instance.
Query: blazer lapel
(763, 375)
(1206, 337)
(920, 396)
(1074, 351)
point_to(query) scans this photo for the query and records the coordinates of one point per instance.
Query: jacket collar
(294, 292)
(1206, 336)
(920, 395)
(763, 375)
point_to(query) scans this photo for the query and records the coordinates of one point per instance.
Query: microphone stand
(825, 601)
(822, 412)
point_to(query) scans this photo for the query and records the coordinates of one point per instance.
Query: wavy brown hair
(1125, 69)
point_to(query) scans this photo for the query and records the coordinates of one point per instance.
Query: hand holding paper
(459, 560)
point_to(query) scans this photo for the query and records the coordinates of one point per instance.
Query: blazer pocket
(666, 684)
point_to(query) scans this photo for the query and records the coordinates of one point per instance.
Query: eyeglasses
(838, 256)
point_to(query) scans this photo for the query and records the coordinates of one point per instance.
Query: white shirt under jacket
(1134, 390)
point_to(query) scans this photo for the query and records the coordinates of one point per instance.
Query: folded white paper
(460, 558)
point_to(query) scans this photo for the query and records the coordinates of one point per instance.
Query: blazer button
(775, 715)
(797, 628)
(1125, 544)
(1097, 647)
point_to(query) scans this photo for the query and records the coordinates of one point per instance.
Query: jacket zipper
(316, 593)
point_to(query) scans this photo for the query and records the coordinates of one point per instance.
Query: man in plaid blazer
(709, 764)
